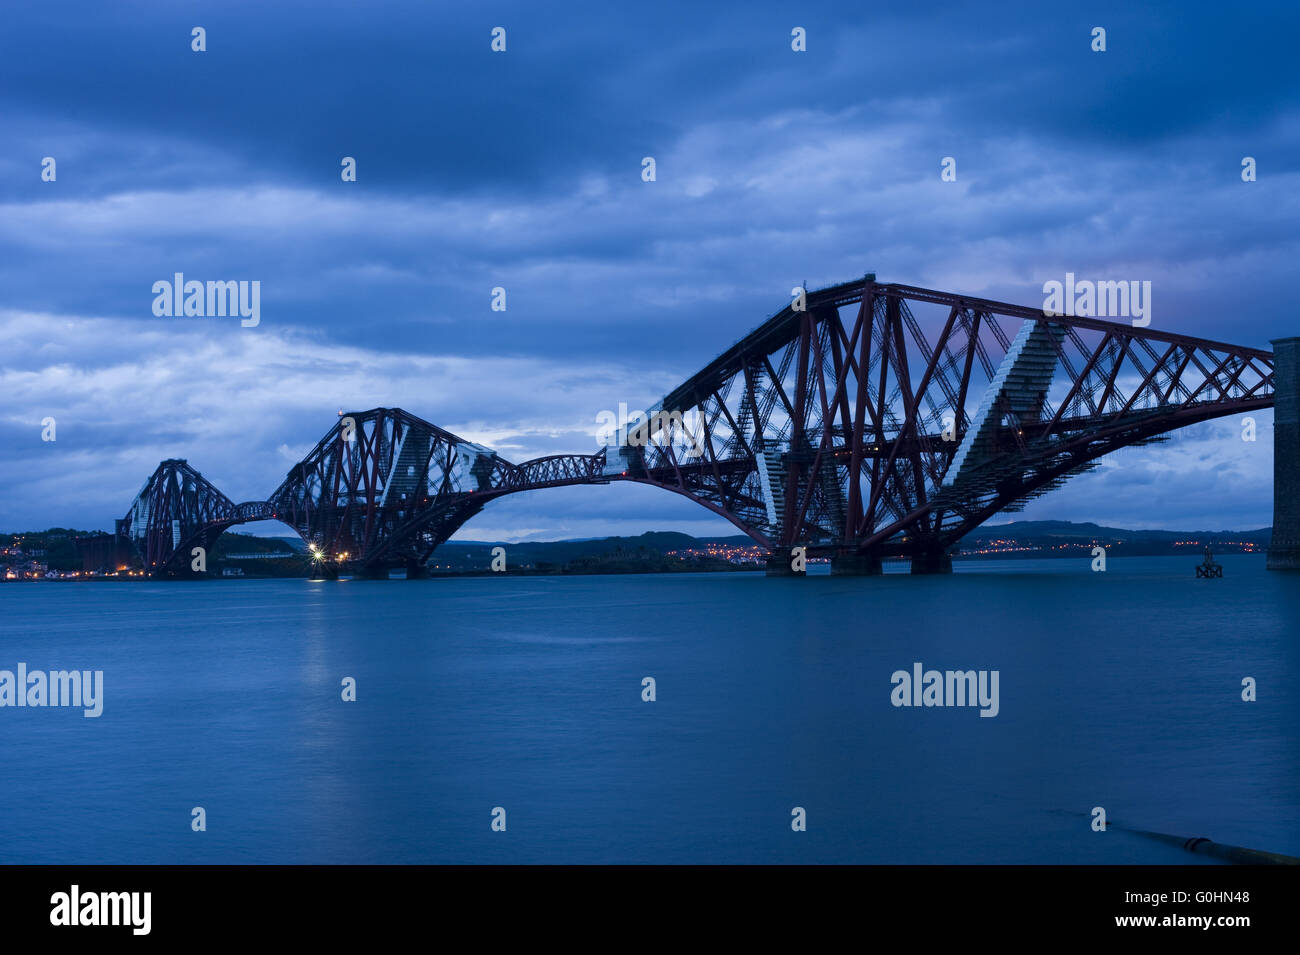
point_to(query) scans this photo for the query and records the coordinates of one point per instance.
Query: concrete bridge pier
(416, 570)
(856, 565)
(932, 561)
(1284, 548)
(779, 565)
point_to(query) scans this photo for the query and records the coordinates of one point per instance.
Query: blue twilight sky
(522, 169)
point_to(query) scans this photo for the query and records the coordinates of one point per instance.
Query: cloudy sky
(522, 170)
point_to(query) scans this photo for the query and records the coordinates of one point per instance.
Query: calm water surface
(1119, 689)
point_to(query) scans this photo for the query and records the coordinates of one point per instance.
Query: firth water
(1120, 689)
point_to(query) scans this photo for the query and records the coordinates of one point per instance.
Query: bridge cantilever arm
(1078, 321)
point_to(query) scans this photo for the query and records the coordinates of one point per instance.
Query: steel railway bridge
(875, 420)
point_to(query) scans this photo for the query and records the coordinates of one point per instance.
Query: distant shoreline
(622, 571)
(63, 554)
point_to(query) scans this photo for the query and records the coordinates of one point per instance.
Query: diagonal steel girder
(876, 419)
(836, 425)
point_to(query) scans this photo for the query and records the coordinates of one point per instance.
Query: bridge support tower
(933, 561)
(1284, 549)
(855, 565)
(778, 565)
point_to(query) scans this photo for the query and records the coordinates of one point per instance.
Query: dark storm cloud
(522, 170)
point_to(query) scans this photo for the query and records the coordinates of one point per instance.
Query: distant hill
(1069, 529)
(297, 543)
(650, 546)
(997, 541)
(1068, 539)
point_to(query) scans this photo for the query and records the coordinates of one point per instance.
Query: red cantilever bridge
(876, 420)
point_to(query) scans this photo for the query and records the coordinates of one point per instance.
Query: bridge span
(868, 420)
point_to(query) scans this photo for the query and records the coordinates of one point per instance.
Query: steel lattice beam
(881, 419)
